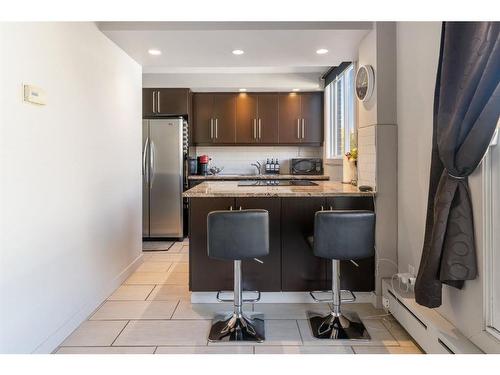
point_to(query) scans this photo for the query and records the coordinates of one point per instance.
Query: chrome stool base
(338, 327)
(237, 327)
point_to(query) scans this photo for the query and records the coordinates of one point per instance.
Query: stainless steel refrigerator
(163, 177)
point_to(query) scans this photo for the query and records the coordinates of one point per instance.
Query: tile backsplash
(237, 159)
(367, 159)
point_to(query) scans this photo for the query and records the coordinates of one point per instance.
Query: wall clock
(365, 81)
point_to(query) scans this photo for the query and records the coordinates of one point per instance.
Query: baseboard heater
(428, 328)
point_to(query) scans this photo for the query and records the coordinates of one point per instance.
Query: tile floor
(152, 313)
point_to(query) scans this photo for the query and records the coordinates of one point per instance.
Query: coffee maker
(203, 165)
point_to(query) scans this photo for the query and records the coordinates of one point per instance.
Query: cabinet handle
(298, 128)
(303, 133)
(158, 101)
(259, 130)
(154, 101)
(254, 129)
(211, 128)
(216, 128)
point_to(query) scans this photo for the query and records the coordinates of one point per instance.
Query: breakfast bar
(290, 265)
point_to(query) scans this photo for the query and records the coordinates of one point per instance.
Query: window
(340, 115)
(491, 210)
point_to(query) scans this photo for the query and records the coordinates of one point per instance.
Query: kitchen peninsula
(290, 265)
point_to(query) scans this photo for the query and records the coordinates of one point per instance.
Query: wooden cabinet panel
(246, 118)
(311, 105)
(265, 277)
(173, 101)
(268, 119)
(206, 274)
(203, 105)
(165, 101)
(258, 118)
(289, 118)
(301, 269)
(225, 118)
(147, 102)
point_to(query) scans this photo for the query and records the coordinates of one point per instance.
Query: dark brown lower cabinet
(206, 274)
(291, 264)
(300, 269)
(266, 276)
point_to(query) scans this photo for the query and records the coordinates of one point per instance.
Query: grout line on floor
(126, 324)
(175, 309)
(300, 333)
(154, 287)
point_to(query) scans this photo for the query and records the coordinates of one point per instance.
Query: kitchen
(241, 188)
(242, 148)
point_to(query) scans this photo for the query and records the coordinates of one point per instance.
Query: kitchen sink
(277, 183)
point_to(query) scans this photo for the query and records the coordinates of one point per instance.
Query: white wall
(237, 159)
(377, 143)
(200, 82)
(417, 59)
(70, 202)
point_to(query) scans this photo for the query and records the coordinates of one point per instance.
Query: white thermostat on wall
(34, 95)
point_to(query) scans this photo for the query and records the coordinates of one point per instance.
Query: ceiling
(200, 53)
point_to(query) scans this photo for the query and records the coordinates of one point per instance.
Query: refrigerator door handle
(145, 170)
(152, 162)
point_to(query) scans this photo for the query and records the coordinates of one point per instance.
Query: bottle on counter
(271, 166)
(277, 167)
(268, 166)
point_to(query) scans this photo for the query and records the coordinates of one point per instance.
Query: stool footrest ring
(324, 300)
(248, 300)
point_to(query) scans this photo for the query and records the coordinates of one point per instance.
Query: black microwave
(306, 166)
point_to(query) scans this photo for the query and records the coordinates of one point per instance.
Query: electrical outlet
(411, 270)
(385, 303)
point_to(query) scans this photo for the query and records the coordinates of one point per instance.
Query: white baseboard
(56, 338)
(278, 297)
(428, 328)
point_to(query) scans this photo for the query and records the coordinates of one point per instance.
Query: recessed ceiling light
(154, 52)
(295, 89)
(243, 90)
(321, 51)
(238, 52)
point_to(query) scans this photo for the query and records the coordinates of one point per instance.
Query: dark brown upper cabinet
(311, 106)
(289, 118)
(257, 118)
(165, 102)
(214, 118)
(301, 118)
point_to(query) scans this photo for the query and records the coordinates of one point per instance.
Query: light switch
(34, 95)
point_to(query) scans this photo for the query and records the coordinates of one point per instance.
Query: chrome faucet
(258, 166)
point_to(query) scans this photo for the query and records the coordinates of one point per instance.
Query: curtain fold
(466, 111)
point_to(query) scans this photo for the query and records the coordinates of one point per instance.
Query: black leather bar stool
(237, 235)
(341, 235)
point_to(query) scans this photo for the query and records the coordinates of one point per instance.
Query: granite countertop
(258, 177)
(231, 189)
